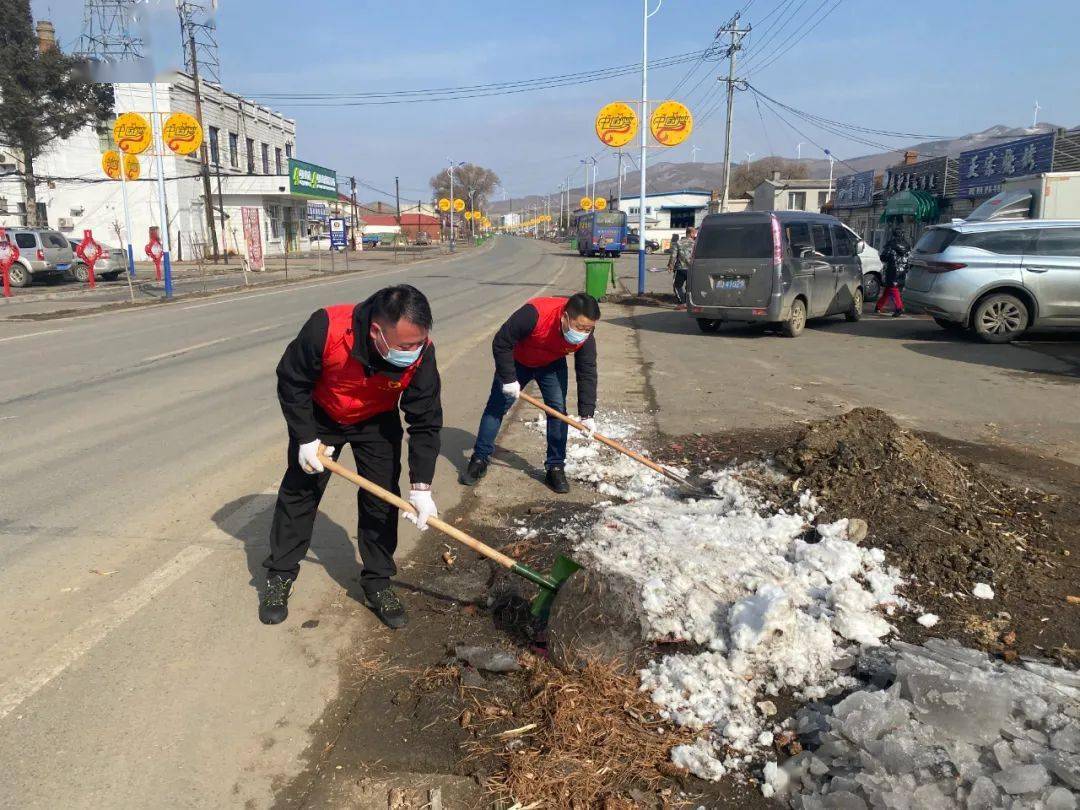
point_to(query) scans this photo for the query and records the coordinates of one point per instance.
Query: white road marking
(32, 334)
(197, 346)
(70, 649)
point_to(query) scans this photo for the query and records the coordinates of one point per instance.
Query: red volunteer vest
(545, 344)
(344, 390)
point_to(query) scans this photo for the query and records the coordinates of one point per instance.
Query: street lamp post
(451, 170)
(645, 14)
(830, 155)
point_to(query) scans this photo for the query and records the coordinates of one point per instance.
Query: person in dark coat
(894, 259)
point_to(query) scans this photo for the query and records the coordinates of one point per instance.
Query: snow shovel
(694, 490)
(549, 584)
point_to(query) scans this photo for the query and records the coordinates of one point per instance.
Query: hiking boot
(274, 605)
(556, 480)
(388, 608)
(476, 470)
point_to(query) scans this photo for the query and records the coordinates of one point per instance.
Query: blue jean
(552, 380)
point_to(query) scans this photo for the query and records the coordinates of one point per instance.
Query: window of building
(234, 150)
(250, 143)
(266, 158)
(288, 149)
(822, 199)
(796, 200)
(215, 145)
(105, 137)
(682, 217)
(277, 161)
(274, 220)
(3, 205)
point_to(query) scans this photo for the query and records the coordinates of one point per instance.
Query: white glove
(309, 456)
(424, 505)
(590, 426)
(512, 390)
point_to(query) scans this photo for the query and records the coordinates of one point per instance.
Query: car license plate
(62, 266)
(731, 284)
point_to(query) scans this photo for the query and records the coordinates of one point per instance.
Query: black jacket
(893, 257)
(518, 327)
(421, 402)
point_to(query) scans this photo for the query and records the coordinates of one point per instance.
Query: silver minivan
(774, 267)
(44, 255)
(998, 278)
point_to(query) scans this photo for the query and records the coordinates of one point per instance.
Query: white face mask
(397, 357)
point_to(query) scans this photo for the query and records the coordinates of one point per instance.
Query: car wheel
(855, 312)
(1000, 318)
(708, 325)
(948, 326)
(650, 249)
(872, 285)
(796, 322)
(81, 273)
(18, 276)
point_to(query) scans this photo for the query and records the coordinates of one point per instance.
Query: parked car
(870, 259)
(44, 255)
(422, 238)
(779, 268)
(651, 245)
(370, 240)
(109, 266)
(998, 279)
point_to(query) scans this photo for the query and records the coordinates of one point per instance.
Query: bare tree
(472, 183)
(747, 176)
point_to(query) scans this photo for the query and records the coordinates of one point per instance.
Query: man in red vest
(533, 345)
(343, 380)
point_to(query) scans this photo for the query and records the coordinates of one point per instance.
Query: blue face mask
(572, 335)
(398, 357)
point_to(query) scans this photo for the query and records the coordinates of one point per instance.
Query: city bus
(601, 233)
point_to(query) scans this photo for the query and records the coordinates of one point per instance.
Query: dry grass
(579, 739)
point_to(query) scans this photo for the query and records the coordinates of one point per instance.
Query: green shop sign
(309, 180)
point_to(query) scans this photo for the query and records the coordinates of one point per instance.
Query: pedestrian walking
(894, 258)
(532, 345)
(682, 252)
(342, 381)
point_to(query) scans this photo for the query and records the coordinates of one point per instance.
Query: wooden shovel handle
(405, 506)
(614, 445)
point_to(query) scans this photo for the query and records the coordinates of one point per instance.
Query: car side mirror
(860, 247)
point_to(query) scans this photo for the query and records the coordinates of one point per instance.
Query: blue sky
(940, 67)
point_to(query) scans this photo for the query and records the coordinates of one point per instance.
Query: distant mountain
(707, 176)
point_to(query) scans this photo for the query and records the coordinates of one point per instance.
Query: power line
(805, 33)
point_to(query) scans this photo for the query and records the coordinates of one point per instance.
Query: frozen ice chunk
(842, 800)
(982, 591)
(864, 716)
(1066, 767)
(700, 759)
(896, 754)
(1003, 753)
(776, 777)
(1022, 779)
(928, 797)
(971, 709)
(1059, 799)
(1067, 738)
(984, 795)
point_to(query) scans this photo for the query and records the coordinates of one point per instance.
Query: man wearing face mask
(533, 345)
(343, 380)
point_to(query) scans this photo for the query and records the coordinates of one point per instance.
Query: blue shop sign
(317, 212)
(982, 171)
(855, 190)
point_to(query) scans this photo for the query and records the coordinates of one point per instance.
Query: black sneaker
(476, 470)
(898, 314)
(274, 605)
(388, 608)
(556, 480)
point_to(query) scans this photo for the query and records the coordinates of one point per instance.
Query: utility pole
(645, 14)
(208, 202)
(618, 194)
(737, 35)
(397, 198)
(355, 218)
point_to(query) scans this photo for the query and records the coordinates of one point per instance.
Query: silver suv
(998, 279)
(44, 255)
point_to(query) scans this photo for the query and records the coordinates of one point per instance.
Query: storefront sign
(317, 212)
(309, 180)
(337, 233)
(854, 190)
(929, 176)
(982, 171)
(252, 237)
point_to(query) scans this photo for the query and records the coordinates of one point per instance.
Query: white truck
(1051, 195)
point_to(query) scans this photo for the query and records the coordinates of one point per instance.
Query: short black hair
(392, 304)
(580, 304)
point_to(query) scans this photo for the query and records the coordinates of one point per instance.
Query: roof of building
(787, 182)
(696, 191)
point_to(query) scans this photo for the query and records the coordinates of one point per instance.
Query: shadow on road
(457, 445)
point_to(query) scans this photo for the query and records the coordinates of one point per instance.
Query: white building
(671, 212)
(249, 149)
(784, 194)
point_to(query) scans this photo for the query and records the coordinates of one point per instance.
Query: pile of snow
(735, 575)
(953, 730)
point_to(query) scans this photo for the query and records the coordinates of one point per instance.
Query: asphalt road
(141, 450)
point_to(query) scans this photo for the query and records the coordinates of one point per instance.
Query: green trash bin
(597, 274)
(573, 244)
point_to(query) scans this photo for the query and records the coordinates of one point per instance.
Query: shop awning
(921, 205)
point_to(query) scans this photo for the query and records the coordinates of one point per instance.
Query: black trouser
(679, 284)
(376, 446)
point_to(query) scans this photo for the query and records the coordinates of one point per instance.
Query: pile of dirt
(943, 521)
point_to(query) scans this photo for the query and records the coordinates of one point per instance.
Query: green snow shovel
(549, 584)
